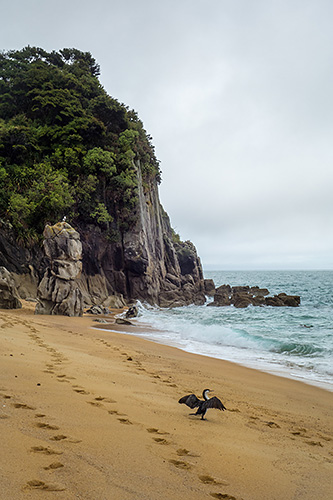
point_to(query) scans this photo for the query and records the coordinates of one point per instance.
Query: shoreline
(92, 413)
(138, 330)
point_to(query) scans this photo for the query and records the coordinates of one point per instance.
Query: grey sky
(238, 96)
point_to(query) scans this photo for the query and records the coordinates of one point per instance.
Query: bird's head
(205, 394)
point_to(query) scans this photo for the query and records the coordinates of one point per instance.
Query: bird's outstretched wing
(190, 400)
(214, 403)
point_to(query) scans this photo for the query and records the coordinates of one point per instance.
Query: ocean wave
(295, 341)
(298, 349)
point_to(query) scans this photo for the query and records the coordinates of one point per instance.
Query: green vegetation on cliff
(66, 146)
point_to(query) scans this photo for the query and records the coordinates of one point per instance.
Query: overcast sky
(238, 97)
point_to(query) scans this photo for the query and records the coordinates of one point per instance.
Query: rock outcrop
(9, 298)
(243, 296)
(58, 292)
(209, 287)
(145, 262)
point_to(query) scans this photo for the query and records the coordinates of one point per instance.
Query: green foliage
(46, 195)
(66, 146)
(100, 161)
(101, 214)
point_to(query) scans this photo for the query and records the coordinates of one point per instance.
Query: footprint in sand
(223, 496)
(105, 400)
(43, 425)
(153, 430)
(54, 466)
(35, 484)
(314, 443)
(44, 450)
(23, 406)
(161, 441)
(95, 403)
(206, 479)
(5, 396)
(180, 464)
(326, 438)
(183, 452)
(64, 378)
(116, 412)
(59, 437)
(273, 425)
(81, 391)
(125, 421)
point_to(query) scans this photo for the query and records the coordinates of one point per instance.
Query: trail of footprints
(164, 438)
(45, 431)
(49, 435)
(295, 432)
(181, 462)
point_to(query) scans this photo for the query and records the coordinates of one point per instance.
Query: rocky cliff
(147, 263)
(58, 292)
(74, 150)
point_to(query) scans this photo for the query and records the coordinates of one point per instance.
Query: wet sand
(94, 415)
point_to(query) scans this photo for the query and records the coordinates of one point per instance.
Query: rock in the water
(132, 312)
(58, 291)
(209, 287)
(243, 296)
(284, 300)
(123, 321)
(241, 300)
(9, 298)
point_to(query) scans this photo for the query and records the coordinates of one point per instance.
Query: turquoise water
(292, 342)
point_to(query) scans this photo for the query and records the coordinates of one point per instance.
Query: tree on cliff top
(66, 146)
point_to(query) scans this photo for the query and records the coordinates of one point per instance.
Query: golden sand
(94, 415)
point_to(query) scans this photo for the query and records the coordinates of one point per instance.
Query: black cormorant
(193, 402)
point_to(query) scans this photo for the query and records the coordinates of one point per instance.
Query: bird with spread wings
(192, 401)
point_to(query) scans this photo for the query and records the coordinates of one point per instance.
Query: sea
(294, 342)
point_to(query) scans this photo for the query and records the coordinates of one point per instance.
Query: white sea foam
(293, 342)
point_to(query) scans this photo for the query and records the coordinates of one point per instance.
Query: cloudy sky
(238, 97)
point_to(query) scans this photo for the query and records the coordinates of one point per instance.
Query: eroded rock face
(148, 263)
(9, 298)
(58, 291)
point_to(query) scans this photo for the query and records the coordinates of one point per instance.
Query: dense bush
(66, 146)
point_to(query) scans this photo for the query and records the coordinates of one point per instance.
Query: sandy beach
(94, 415)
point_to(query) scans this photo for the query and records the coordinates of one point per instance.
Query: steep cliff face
(160, 269)
(147, 263)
